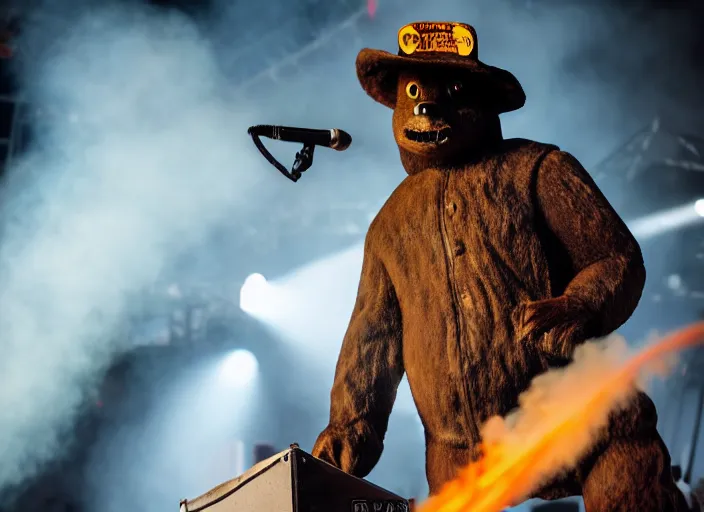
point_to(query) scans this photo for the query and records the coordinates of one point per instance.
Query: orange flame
(558, 419)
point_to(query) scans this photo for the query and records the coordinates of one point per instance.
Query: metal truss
(690, 380)
(290, 63)
(651, 146)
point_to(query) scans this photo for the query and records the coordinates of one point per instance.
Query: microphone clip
(304, 159)
(303, 162)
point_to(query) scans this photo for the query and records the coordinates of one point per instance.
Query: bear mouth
(431, 136)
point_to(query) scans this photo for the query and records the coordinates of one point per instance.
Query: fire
(557, 421)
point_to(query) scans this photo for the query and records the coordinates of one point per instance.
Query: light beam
(671, 219)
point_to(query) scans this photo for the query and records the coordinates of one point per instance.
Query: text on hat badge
(436, 38)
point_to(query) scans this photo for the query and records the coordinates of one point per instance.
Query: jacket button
(459, 248)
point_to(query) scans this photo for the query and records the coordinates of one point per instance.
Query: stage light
(238, 369)
(254, 294)
(668, 220)
(699, 207)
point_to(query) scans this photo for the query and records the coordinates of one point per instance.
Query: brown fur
(487, 265)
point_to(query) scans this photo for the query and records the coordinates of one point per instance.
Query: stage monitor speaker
(295, 481)
(556, 506)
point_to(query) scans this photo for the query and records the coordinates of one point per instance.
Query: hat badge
(433, 37)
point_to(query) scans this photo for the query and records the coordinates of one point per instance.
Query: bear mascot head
(446, 101)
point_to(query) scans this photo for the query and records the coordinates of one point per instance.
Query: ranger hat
(437, 45)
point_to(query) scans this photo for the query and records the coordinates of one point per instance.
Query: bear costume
(487, 265)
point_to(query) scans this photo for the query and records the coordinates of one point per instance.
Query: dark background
(616, 83)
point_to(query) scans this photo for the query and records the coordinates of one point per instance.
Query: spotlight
(238, 369)
(254, 293)
(699, 207)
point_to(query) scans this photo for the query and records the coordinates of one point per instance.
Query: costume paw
(538, 317)
(554, 325)
(328, 448)
(354, 449)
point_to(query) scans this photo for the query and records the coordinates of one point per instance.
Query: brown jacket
(447, 262)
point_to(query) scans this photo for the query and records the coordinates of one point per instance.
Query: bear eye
(455, 89)
(412, 90)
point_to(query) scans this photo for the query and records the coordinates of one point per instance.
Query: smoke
(562, 415)
(135, 163)
(561, 394)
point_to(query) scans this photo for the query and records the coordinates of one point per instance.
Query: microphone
(338, 140)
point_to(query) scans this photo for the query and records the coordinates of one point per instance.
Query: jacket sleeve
(605, 271)
(369, 370)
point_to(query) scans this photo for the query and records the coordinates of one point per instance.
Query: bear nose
(426, 109)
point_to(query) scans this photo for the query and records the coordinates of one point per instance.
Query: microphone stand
(304, 158)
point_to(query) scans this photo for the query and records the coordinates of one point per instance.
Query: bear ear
(378, 75)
